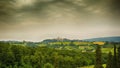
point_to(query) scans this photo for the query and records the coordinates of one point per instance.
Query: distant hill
(58, 40)
(108, 39)
(54, 40)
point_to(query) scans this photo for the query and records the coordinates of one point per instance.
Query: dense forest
(13, 55)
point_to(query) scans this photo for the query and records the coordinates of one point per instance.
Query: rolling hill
(108, 39)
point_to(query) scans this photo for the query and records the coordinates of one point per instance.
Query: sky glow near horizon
(36, 20)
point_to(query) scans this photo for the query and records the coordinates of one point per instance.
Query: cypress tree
(118, 63)
(98, 63)
(115, 57)
(110, 61)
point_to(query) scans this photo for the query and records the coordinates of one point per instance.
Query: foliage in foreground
(17, 56)
(20, 56)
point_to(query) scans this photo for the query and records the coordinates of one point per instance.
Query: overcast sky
(36, 20)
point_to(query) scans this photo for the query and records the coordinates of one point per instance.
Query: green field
(107, 50)
(92, 66)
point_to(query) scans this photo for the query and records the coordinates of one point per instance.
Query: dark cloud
(7, 10)
(115, 7)
(43, 9)
(47, 9)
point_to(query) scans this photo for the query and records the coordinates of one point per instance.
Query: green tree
(15, 66)
(48, 65)
(118, 63)
(55, 56)
(110, 61)
(115, 57)
(39, 59)
(98, 62)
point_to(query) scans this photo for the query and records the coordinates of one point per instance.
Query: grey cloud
(46, 9)
(44, 17)
(115, 7)
(7, 10)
